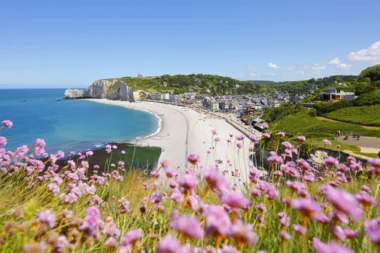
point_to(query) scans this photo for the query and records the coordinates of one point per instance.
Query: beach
(184, 131)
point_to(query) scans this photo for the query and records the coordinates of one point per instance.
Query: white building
(166, 96)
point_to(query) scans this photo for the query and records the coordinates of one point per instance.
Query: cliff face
(113, 90)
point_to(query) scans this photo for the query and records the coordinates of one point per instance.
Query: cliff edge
(113, 90)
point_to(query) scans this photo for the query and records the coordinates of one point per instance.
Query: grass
(316, 130)
(362, 115)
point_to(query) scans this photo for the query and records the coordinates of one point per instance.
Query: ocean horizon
(69, 125)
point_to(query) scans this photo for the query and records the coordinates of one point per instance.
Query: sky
(71, 43)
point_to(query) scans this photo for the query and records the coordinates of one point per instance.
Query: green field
(315, 130)
(363, 115)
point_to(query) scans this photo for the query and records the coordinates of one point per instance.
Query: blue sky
(72, 43)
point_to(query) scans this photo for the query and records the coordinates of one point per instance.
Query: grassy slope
(363, 115)
(316, 130)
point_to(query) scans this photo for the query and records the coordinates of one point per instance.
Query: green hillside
(362, 115)
(201, 83)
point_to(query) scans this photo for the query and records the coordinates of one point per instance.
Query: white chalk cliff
(113, 90)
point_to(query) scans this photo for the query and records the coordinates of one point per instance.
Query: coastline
(184, 131)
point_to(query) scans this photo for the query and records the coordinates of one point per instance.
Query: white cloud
(291, 68)
(254, 74)
(248, 68)
(273, 66)
(315, 68)
(340, 65)
(335, 61)
(370, 54)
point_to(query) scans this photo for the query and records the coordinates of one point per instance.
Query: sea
(68, 125)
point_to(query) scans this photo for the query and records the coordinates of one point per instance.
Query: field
(324, 206)
(362, 115)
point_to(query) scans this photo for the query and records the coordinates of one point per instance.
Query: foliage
(47, 207)
(280, 112)
(373, 73)
(199, 82)
(362, 115)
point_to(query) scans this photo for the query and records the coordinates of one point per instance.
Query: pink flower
(301, 138)
(331, 162)
(264, 126)
(254, 138)
(7, 123)
(47, 217)
(261, 208)
(164, 164)
(193, 158)
(287, 144)
(108, 148)
(307, 207)
(132, 237)
(326, 142)
(111, 229)
(285, 235)
(111, 242)
(235, 199)
(35, 247)
(213, 132)
(281, 134)
(266, 135)
(215, 181)
(372, 228)
(365, 199)
(345, 203)
(299, 229)
(138, 139)
(374, 162)
(217, 221)
(188, 226)
(331, 247)
(3, 141)
(243, 233)
(239, 145)
(114, 147)
(92, 222)
(40, 146)
(61, 244)
(169, 244)
(188, 181)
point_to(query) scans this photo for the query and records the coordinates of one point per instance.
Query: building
(175, 98)
(333, 94)
(166, 97)
(156, 96)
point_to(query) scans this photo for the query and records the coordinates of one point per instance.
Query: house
(166, 96)
(164, 84)
(175, 98)
(333, 94)
(156, 96)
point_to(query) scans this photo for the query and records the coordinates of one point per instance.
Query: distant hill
(201, 83)
(262, 82)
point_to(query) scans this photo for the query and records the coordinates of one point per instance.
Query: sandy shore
(185, 131)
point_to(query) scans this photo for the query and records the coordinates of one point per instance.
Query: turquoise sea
(68, 125)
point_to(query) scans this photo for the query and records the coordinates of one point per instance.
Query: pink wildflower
(345, 203)
(266, 135)
(235, 199)
(3, 141)
(307, 207)
(301, 138)
(188, 226)
(193, 158)
(132, 237)
(7, 123)
(372, 228)
(331, 247)
(217, 221)
(327, 142)
(47, 217)
(188, 181)
(285, 235)
(215, 181)
(331, 162)
(299, 229)
(138, 139)
(281, 134)
(243, 233)
(169, 244)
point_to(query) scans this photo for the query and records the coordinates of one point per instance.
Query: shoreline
(184, 131)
